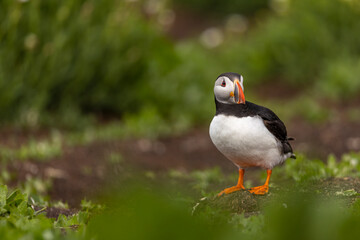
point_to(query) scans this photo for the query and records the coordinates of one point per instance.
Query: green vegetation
(39, 150)
(64, 61)
(307, 44)
(302, 170)
(311, 196)
(20, 220)
(78, 55)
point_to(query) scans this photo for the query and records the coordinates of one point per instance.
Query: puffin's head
(229, 88)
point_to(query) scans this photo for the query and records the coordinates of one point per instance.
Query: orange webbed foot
(260, 190)
(239, 186)
(231, 190)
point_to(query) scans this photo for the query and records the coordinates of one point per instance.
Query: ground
(83, 170)
(82, 166)
(244, 202)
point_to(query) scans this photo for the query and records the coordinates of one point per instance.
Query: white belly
(246, 141)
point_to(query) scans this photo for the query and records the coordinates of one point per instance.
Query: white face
(224, 90)
(227, 91)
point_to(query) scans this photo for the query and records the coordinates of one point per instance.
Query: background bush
(305, 42)
(89, 55)
(73, 57)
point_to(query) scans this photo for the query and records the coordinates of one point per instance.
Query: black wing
(276, 127)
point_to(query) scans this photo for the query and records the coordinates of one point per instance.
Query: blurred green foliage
(291, 211)
(40, 150)
(306, 217)
(339, 80)
(307, 44)
(155, 215)
(78, 55)
(303, 169)
(62, 60)
(296, 216)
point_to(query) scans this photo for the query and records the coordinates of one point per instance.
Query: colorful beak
(238, 92)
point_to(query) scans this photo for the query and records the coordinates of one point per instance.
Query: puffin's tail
(288, 148)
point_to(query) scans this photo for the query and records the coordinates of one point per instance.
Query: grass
(312, 193)
(40, 150)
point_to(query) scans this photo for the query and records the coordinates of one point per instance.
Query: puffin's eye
(223, 84)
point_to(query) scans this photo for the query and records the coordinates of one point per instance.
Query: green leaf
(16, 198)
(13, 196)
(3, 192)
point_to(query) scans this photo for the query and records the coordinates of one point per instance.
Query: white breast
(246, 141)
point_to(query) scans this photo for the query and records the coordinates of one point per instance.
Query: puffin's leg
(261, 190)
(239, 185)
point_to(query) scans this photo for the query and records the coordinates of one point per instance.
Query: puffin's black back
(249, 109)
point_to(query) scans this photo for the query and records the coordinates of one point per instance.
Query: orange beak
(238, 92)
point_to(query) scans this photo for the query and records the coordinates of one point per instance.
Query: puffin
(247, 134)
